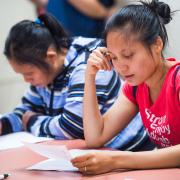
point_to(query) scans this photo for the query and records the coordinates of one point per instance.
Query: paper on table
(59, 157)
(50, 151)
(15, 140)
(54, 165)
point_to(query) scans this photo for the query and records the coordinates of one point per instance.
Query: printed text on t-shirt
(159, 129)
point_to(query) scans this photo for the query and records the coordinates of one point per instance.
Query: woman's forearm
(161, 158)
(0, 127)
(92, 119)
(92, 8)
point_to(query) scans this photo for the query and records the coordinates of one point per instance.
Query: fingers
(89, 168)
(94, 163)
(82, 164)
(0, 127)
(86, 164)
(80, 159)
(100, 59)
(108, 57)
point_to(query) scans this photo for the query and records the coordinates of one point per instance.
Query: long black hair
(28, 41)
(146, 21)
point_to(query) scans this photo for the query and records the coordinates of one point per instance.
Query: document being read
(58, 157)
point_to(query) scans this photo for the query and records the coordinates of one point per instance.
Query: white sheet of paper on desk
(15, 140)
(59, 157)
(50, 151)
(54, 165)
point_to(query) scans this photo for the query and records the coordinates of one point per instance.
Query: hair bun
(163, 10)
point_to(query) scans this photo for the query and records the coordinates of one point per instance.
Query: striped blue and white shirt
(59, 105)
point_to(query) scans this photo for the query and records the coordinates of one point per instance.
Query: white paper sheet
(59, 157)
(50, 151)
(15, 140)
(54, 165)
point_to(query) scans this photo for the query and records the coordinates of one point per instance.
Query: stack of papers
(15, 140)
(58, 157)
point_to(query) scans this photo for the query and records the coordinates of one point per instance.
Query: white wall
(12, 11)
(173, 29)
(11, 84)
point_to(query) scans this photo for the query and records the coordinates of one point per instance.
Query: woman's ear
(158, 45)
(51, 56)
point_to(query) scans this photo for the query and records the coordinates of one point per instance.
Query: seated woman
(55, 66)
(135, 37)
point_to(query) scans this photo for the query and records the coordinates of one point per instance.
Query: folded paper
(58, 157)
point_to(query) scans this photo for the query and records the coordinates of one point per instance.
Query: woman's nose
(122, 68)
(28, 80)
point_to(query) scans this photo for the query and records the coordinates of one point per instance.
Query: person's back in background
(79, 17)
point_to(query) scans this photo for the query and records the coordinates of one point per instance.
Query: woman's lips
(128, 76)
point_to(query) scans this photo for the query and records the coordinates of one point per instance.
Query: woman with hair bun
(136, 37)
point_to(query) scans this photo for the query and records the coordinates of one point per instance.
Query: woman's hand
(0, 127)
(26, 116)
(99, 59)
(94, 163)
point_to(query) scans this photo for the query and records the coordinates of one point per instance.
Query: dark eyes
(28, 74)
(129, 56)
(124, 56)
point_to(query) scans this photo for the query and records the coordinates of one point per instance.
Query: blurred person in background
(79, 17)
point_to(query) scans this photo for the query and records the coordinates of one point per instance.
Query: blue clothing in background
(75, 22)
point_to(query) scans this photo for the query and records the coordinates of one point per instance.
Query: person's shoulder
(173, 74)
(80, 40)
(87, 45)
(172, 65)
(171, 61)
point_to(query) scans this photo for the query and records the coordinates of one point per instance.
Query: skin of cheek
(144, 72)
(142, 69)
(43, 79)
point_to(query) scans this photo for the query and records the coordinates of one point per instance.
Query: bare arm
(99, 129)
(161, 158)
(102, 162)
(40, 6)
(0, 127)
(40, 3)
(92, 8)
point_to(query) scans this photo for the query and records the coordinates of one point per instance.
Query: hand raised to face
(99, 59)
